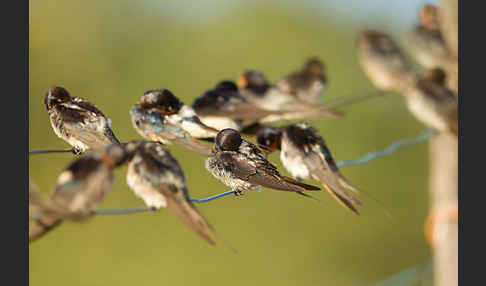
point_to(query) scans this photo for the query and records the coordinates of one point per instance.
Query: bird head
(56, 95)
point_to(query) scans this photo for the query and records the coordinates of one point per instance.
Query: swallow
(86, 181)
(223, 107)
(157, 178)
(77, 121)
(242, 166)
(305, 155)
(160, 116)
(383, 62)
(255, 88)
(432, 103)
(426, 42)
(307, 84)
(80, 189)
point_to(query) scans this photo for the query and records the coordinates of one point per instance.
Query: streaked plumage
(77, 121)
(305, 155)
(242, 166)
(157, 178)
(383, 61)
(160, 116)
(432, 103)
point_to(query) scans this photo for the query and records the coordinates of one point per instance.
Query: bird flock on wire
(220, 116)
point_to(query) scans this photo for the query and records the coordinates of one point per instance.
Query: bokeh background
(110, 52)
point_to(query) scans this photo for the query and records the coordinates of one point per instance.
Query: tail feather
(341, 200)
(191, 217)
(40, 227)
(301, 186)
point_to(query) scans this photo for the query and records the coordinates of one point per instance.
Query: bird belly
(59, 130)
(146, 192)
(419, 107)
(293, 162)
(218, 171)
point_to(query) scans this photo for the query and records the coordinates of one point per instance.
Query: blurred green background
(110, 52)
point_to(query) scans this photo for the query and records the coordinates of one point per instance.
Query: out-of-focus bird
(81, 187)
(157, 178)
(449, 20)
(85, 182)
(304, 154)
(242, 166)
(43, 214)
(383, 61)
(426, 42)
(223, 107)
(77, 121)
(162, 117)
(307, 84)
(286, 96)
(433, 103)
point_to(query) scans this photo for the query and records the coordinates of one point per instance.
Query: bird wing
(152, 126)
(86, 123)
(263, 173)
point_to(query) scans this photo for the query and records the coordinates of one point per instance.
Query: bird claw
(238, 193)
(76, 151)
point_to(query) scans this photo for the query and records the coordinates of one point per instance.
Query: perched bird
(433, 103)
(80, 189)
(305, 155)
(426, 42)
(383, 61)
(255, 88)
(223, 107)
(77, 121)
(156, 177)
(242, 166)
(307, 84)
(85, 182)
(162, 117)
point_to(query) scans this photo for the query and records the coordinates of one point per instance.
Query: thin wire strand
(213, 197)
(348, 100)
(35, 152)
(388, 150)
(121, 211)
